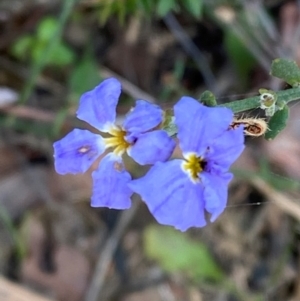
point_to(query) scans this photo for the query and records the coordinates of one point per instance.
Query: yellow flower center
(193, 166)
(117, 141)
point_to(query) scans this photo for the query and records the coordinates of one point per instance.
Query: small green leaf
(239, 54)
(132, 6)
(21, 49)
(59, 121)
(286, 70)
(84, 77)
(208, 99)
(146, 5)
(38, 50)
(176, 252)
(47, 29)
(121, 11)
(106, 11)
(277, 123)
(194, 7)
(278, 182)
(164, 6)
(62, 55)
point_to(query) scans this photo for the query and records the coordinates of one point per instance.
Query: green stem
(242, 105)
(39, 65)
(253, 102)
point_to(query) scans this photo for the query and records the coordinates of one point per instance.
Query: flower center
(193, 166)
(117, 141)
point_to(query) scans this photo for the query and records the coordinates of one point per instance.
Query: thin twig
(108, 252)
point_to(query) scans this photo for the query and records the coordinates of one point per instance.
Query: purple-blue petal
(98, 106)
(77, 151)
(143, 117)
(110, 184)
(152, 147)
(215, 193)
(198, 125)
(171, 197)
(225, 149)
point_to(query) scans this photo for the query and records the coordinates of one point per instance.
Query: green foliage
(165, 6)
(287, 70)
(46, 29)
(32, 47)
(176, 252)
(277, 123)
(146, 5)
(173, 88)
(240, 56)
(22, 47)
(194, 7)
(123, 8)
(7, 222)
(59, 122)
(278, 182)
(84, 77)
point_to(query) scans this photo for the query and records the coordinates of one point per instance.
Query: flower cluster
(176, 191)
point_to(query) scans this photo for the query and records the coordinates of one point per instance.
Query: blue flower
(178, 192)
(138, 136)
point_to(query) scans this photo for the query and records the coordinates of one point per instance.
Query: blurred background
(53, 245)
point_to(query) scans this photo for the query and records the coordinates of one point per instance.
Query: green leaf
(62, 55)
(38, 50)
(132, 6)
(165, 6)
(47, 29)
(8, 223)
(21, 49)
(194, 7)
(286, 70)
(146, 5)
(277, 123)
(278, 182)
(121, 11)
(240, 56)
(59, 121)
(176, 252)
(106, 11)
(84, 77)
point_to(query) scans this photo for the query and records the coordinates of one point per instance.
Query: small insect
(254, 127)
